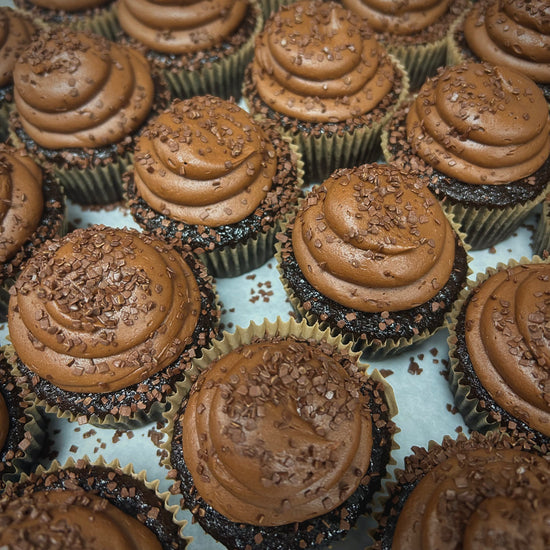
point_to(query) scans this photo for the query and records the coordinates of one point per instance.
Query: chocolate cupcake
(16, 32)
(32, 210)
(89, 506)
(105, 322)
(21, 425)
(210, 179)
(479, 136)
(97, 16)
(200, 47)
(371, 255)
(541, 237)
(80, 103)
(484, 492)
(510, 33)
(331, 96)
(283, 441)
(414, 32)
(499, 350)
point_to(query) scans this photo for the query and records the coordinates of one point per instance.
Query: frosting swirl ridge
(204, 161)
(508, 341)
(374, 239)
(513, 33)
(480, 124)
(402, 18)
(176, 27)
(103, 309)
(16, 33)
(82, 518)
(477, 499)
(277, 432)
(76, 89)
(21, 200)
(318, 62)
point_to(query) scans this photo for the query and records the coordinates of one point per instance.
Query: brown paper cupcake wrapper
(98, 185)
(455, 53)
(420, 60)
(475, 416)
(485, 226)
(232, 261)
(368, 348)
(35, 434)
(104, 23)
(222, 78)
(241, 336)
(128, 470)
(324, 153)
(269, 6)
(541, 237)
(90, 186)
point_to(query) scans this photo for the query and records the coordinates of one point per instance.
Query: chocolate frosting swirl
(508, 340)
(204, 161)
(83, 519)
(318, 62)
(176, 27)
(512, 33)
(480, 124)
(102, 309)
(277, 432)
(21, 200)
(374, 239)
(16, 33)
(478, 499)
(76, 89)
(403, 18)
(69, 5)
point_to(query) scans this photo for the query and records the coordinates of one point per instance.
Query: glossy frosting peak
(508, 341)
(15, 34)
(277, 432)
(513, 33)
(74, 89)
(204, 161)
(480, 124)
(478, 499)
(318, 62)
(21, 200)
(102, 309)
(177, 27)
(404, 17)
(374, 239)
(81, 518)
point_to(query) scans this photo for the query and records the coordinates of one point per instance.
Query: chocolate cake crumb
(414, 367)
(386, 372)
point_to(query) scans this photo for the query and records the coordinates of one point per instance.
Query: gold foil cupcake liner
(223, 77)
(475, 416)
(232, 261)
(541, 237)
(35, 434)
(368, 348)
(128, 470)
